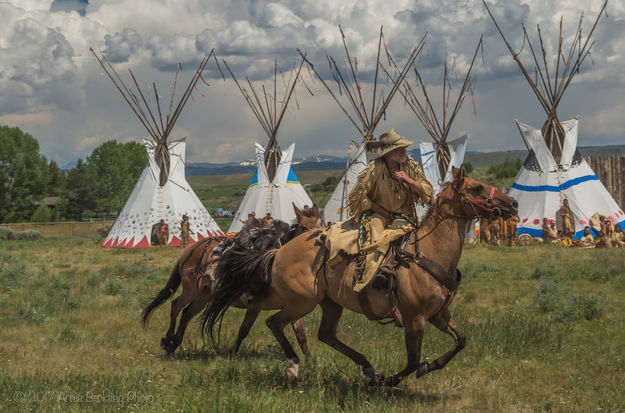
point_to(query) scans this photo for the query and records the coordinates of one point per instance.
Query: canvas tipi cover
(149, 203)
(430, 165)
(274, 197)
(542, 184)
(335, 210)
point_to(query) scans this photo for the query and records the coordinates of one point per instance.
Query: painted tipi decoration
(440, 156)
(554, 170)
(274, 189)
(351, 91)
(162, 192)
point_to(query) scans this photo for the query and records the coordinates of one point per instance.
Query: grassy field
(544, 330)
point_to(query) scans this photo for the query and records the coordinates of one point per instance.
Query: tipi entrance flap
(456, 149)
(428, 162)
(430, 165)
(570, 142)
(284, 168)
(261, 171)
(534, 139)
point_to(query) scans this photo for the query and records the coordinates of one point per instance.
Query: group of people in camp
(497, 231)
(601, 233)
(160, 232)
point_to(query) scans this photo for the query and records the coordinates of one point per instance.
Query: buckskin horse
(293, 280)
(197, 288)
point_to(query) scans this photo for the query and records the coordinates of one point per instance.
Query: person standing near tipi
(185, 230)
(565, 213)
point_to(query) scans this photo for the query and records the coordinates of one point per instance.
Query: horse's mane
(429, 213)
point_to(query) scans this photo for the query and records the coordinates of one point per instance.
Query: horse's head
(307, 219)
(471, 198)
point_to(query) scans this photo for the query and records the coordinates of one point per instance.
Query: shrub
(507, 169)
(12, 276)
(31, 315)
(7, 233)
(31, 235)
(66, 333)
(543, 272)
(563, 304)
(42, 214)
(113, 287)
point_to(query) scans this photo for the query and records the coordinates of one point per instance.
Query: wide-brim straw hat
(387, 142)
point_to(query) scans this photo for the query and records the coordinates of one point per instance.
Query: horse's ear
(315, 211)
(463, 172)
(456, 172)
(298, 212)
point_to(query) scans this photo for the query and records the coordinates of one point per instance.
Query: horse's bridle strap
(468, 204)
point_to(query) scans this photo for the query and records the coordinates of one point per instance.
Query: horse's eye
(479, 188)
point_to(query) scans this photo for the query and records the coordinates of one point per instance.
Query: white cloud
(120, 46)
(45, 66)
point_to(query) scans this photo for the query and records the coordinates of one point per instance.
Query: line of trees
(100, 185)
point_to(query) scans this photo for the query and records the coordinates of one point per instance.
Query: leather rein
(471, 206)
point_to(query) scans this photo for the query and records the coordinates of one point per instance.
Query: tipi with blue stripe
(274, 188)
(554, 170)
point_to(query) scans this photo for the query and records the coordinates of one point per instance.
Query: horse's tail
(163, 295)
(238, 272)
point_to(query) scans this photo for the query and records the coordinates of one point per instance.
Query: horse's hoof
(377, 380)
(422, 369)
(292, 371)
(369, 372)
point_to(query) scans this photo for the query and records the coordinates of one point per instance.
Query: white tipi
(274, 189)
(440, 156)
(162, 191)
(150, 202)
(543, 183)
(554, 169)
(351, 91)
(335, 211)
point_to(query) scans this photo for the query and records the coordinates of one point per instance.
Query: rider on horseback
(382, 206)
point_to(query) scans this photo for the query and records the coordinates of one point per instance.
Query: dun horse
(295, 281)
(197, 288)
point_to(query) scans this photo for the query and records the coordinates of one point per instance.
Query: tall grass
(71, 340)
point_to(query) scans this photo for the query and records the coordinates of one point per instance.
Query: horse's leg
(276, 324)
(444, 322)
(413, 337)
(177, 304)
(300, 335)
(190, 311)
(330, 316)
(248, 321)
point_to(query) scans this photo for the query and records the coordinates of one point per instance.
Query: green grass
(71, 340)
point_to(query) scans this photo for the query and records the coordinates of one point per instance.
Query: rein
(469, 205)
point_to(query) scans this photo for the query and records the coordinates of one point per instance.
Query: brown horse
(196, 289)
(296, 281)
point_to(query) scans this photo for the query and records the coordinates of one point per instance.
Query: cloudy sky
(52, 87)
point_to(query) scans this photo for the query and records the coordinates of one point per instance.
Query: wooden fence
(611, 172)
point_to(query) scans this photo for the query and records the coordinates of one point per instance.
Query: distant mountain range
(330, 162)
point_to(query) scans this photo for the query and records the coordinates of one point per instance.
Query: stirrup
(382, 279)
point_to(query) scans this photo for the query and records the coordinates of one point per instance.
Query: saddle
(397, 256)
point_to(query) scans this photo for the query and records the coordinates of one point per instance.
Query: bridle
(470, 207)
